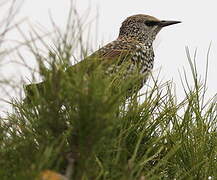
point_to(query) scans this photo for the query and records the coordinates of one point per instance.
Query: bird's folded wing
(105, 57)
(116, 49)
(114, 54)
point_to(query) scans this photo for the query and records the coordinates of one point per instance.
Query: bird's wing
(115, 52)
(116, 49)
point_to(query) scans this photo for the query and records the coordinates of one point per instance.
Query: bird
(134, 45)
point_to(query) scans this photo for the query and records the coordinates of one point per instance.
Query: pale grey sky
(197, 30)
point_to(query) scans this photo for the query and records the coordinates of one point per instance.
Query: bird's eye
(151, 23)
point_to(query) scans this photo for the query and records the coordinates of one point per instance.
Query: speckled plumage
(134, 44)
(135, 39)
(141, 56)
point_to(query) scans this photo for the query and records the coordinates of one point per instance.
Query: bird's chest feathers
(143, 59)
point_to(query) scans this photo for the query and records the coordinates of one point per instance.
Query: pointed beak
(168, 23)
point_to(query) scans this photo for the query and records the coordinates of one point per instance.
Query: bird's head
(143, 27)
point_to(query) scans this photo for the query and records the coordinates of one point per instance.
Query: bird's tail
(34, 91)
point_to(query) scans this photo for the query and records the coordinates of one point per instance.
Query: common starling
(134, 45)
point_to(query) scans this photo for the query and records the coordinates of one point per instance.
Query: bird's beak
(168, 23)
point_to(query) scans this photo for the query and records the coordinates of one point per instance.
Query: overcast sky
(197, 30)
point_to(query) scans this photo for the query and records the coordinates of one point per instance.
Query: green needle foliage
(87, 126)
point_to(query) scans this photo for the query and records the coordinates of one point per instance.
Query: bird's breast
(143, 58)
